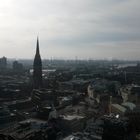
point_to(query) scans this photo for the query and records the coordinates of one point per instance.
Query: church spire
(37, 68)
(37, 46)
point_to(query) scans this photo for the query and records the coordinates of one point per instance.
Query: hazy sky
(94, 29)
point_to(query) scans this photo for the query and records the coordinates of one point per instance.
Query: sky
(69, 29)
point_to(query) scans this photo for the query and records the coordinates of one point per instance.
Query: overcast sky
(88, 29)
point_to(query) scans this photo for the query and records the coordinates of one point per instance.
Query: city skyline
(99, 29)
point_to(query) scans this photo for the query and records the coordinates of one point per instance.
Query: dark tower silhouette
(37, 68)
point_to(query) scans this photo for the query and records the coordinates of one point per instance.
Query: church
(37, 69)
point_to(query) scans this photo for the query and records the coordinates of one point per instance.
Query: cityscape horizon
(69, 70)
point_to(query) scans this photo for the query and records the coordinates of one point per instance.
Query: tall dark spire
(37, 68)
(37, 47)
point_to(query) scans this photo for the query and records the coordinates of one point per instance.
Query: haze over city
(69, 70)
(96, 29)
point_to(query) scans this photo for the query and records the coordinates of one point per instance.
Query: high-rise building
(37, 69)
(3, 63)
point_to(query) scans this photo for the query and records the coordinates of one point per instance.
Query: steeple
(37, 47)
(37, 68)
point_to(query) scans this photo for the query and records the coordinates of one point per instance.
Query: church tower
(37, 68)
